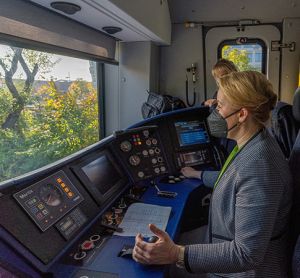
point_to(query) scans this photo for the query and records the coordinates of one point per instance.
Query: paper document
(139, 215)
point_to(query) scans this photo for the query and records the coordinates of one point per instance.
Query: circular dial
(125, 146)
(51, 195)
(134, 160)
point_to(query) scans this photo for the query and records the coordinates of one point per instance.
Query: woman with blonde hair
(221, 68)
(250, 203)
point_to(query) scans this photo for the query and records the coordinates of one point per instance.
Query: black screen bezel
(195, 144)
(83, 178)
(188, 118)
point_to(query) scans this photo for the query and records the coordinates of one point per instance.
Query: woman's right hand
(190, 172)
(210, 102)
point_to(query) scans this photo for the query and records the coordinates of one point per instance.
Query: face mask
(217, 124)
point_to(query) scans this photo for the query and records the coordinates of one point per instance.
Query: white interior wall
(112, 99)
(220, 10)
(290, 60)
(126, 85)
(185, 49)
(266, 33)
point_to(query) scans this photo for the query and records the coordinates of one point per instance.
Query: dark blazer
(248, 216)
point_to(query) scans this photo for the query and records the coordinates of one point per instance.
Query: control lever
(166, 194)
(112, 227)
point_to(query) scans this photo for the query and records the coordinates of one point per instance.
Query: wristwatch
(180, 260)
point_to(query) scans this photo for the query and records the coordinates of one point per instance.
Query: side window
(247, 54)
(48, 108)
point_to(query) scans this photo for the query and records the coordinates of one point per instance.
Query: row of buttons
(65, 188)
(87, 245)
(157, 170)
(149, 142)
(136, 140)
(151, 152)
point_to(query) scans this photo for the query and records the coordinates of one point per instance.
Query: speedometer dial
(134, 160)
(51, 195)
(125, 146)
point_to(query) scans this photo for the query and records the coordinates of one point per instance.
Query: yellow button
(70, 194)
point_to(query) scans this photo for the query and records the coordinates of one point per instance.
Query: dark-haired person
(250, 203)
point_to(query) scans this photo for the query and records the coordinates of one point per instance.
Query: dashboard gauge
(146, 133)
(51, 195)
(134, 160)
(125, 146)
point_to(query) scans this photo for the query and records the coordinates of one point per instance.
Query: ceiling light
(66, 7)
(111, 29)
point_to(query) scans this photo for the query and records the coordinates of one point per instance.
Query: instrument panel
(55, 210)
(48, 200)
(141, 152)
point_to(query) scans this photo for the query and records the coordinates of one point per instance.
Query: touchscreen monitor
(191, 133)
(100, 175)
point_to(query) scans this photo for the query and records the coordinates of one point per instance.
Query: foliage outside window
(44, 115)
(244, 56)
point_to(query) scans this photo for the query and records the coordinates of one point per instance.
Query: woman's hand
(190, 172)
(210, 102)
(163, 251)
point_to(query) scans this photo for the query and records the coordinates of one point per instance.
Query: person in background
(221, 68)
(249, 211)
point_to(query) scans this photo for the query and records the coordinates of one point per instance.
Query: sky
(66, 68)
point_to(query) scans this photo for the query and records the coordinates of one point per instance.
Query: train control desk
(59, 221)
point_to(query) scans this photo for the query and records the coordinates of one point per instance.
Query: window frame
(9, 40)
(38, 46)
(249, 41)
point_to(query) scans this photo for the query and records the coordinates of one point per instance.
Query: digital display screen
(102, 174)
(191, 133)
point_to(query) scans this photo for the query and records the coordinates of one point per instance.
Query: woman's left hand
(163, 251)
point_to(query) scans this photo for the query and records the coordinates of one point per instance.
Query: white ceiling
(97, 14)
(228, 10)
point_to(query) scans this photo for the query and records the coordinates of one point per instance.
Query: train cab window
(48, 108)
(247, 54)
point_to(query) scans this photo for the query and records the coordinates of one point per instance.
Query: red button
(87, 245)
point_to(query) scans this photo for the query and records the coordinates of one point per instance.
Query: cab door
(216, 36)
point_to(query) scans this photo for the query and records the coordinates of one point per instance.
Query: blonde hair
(223, 67)
(252, 90)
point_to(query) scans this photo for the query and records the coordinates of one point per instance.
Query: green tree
(31, 62)
(41, 126)
(68, 120)
(238, 56)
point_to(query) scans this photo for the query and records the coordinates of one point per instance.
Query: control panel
(191, 141)
(49, 200)
(195, 157)
(141, 152)
(91, 244)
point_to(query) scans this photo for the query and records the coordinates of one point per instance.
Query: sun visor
(30, 22)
